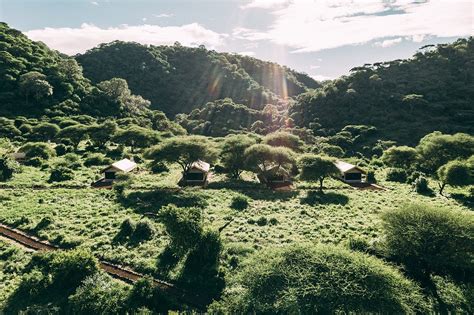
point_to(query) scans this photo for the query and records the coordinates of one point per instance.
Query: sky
(323, 38)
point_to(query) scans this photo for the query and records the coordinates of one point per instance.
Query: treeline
(178, 79)
(403, 99)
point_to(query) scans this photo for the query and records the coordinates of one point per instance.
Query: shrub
(97, 159)
(428, 239)
(35, 162)
(143, 231)
(420, 185)
(239, 202)
(38, 149)
(126, 228)
(371, 176)
(99, 294)
(396, 175)
(7, 168)
(60, 174)
(62, 149)
(262, 221)
(322, 280)
(159, 167)
(72, 160)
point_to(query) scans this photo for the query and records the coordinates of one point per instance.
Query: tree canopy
(183, 150)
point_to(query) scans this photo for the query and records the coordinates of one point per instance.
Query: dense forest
(178, 79)
(403, 99)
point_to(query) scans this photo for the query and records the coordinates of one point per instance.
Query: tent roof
(124, 165)
(345, 167)
(275, 170)
(201, 166)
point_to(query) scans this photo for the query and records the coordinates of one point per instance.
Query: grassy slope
(91, 218)
(12, 261)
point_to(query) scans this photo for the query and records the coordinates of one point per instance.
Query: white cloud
(77, 40)
(308, 25)
(94, 2)
(320, 77)
(144, 19)
(247, 53)
(388, 42)
(163, 15)
(314, 67)
(264, 4)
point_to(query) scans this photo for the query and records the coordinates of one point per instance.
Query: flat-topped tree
(232, 154)
(283, 139)
(183, 150)
(317, 168)
(262, 157)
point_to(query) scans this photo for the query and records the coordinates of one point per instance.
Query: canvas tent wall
(351, 173)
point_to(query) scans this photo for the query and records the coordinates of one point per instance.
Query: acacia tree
(262, 156)
(183, 150)
(317, 168)
(100, 134)
(137, 137)
(75, 133)
(402, 157)
(283, 139)
(232, 154)
(455, 173)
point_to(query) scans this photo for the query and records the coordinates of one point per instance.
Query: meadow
(76, 215)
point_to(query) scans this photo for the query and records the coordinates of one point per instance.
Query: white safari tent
(197, 174)
(122, 166)
(351, 173)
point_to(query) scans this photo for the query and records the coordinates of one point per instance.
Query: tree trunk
(441, 187)
(321, 184)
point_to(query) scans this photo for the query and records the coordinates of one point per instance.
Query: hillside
(403, 99)
(34, 77)
(178, 79)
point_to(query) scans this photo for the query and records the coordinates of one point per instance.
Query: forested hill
(178, 79)
(403, 99)
(33, 77)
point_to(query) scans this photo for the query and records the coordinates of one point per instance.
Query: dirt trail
(118, 272)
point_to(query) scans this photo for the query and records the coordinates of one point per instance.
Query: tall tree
(317, 168)
(232, 154)
(183, 150)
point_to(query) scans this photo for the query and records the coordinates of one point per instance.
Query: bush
(396, 175)
(7, 168)
(420, 185)
(72, 160)
(262, 221)
(371, 176)
(35, 162)
(322, 280)
(97, 159)
(144, 231)
(60, 174)
(159, 167)
(99, 294)
(239, 202)
(62, 149)
(428, 239)
(38, 149)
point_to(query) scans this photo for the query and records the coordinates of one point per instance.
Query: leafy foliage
(428, 239)
(403, 99)
(177, 79)
(321, 280)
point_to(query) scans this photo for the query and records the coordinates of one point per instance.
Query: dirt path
(34, 244)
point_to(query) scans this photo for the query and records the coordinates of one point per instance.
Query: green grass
(91, 218)
(12, 261)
